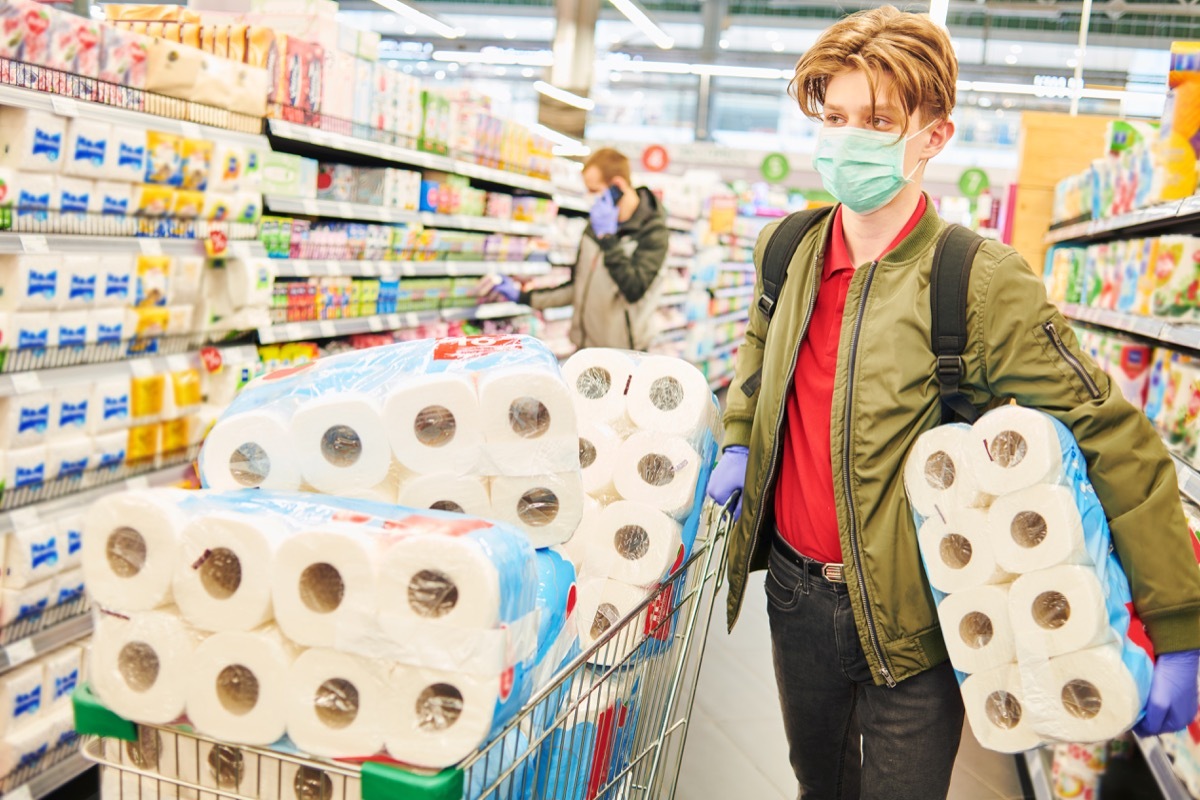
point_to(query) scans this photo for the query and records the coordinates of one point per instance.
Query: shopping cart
(612, 724)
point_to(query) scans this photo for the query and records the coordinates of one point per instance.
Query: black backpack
(947, 297)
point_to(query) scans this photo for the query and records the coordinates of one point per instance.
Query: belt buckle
(834, 573)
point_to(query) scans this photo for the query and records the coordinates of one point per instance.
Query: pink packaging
(123, 57)
(26, 31)
(74, 45)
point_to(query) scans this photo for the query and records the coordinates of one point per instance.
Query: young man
(818, 440)
(614, 284)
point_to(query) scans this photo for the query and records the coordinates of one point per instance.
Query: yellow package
(146, 395)
(237, 43)
(149, 323)
(262, 50)
(176, 435)
(186, 204)
(152, 280)
(1181, 123)
(143, 443)
(190, 35)
(154, 201)
(221, 45)
(164, 158)
(139, 27)
(208, 38)
(186, 385)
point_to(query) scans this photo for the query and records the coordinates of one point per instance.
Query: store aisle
(736, 746)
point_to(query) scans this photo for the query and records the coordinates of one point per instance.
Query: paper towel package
(31, 554)
(32, 140)
(27, 418)
(21, 697)
(31, 282)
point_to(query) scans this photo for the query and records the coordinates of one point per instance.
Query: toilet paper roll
(598, 446)
(31, 282)
(1014, 448)
(106, 326)
(578, 545)
(996, 708)
(68, 457)
(67, 587)
(603, 604)
(116, 280)
(111, 405)
(31, 554)
(1088, 696)
(440, 717)
(25, 466)
(658, 470)
(338, 704)
(27, 603)
(62, 675)
(81, 281)
(937, 474)
(111, 449)
(87, 148)
(322, 579)
(73, 415)
(598, 378)
(252, 450)
(222, 583)
(977, 629)
(141, 667)
(385, 491)
(27, 418)
(22, 697)
(669, 396)
(434, 423)
(1037, 528)
(70, 536)
(32, 140)
(632, 542)
(957, 551)
(131, 545)
(447, 492)
(547, 507)
(341, 442)
(528, 421)
(1058, 611)
(238, 690)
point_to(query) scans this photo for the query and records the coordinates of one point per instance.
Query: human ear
(940, 135)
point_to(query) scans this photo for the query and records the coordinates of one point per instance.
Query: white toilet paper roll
(251, 450)
(996, 708)
(603, 604)
(25, 466)
(73, 415)
(67, 457)
(87, 148)
(238, 690)
(324, 579)
(528, 422)
(658, 470)
(1037, 528)
(439, 717)
(70, 535)
(1014, 448)
(131, 548)
(977, 630)
(24, 603)
(598, 378)
(31, 554)
(577, 547)
(670, 396)
(1058, 611)
(447, 492)
(222, 582)
(338, 704)
(22, 697)
(937, 474)
(958, 551)
(63, 674)
(27, 418)
(1087, 696)
(141, 667)
(434, 423)
(598, 446)
(341, 442)
(31, 282)
(547, 507)
(632, 542)
(111, 405)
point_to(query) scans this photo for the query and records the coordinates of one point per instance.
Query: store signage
(775, 167)
(655, 158)
(1055, 86)
(973, 182)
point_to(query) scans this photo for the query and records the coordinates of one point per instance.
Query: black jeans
(909, 734)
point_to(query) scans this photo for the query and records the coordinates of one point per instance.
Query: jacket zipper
(854, 551)
(629, 329)
(1071, 360)
(771, 466)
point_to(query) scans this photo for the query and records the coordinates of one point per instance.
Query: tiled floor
(736, 746)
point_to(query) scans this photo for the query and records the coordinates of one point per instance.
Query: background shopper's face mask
(863, 169)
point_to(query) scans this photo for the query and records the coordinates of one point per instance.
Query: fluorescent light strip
(1043, 91)
(534, 58)
(555, 136)
(563, 96)
(572, 150)
(420, 17)
(634, 13)
(676, 68)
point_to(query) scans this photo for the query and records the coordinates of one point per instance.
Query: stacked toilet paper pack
(646, 446)
(1034, 606)
(478, 425)
(354, 627)
(35, 707)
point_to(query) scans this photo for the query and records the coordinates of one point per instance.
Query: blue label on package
(43, 554)
(115, 205)
(73, 414)
(113, 459)
(28, 201)
(43, 283)
(28, 702)
(116, 286)
(91, 150)
(74, 203)
(109, 334)
(74, 541)
(27, 339)
(34, 418)
(31, 476)
(131, 156)
(73, 467)
(115, 407)
(83, 287)
(72, 337)
(47, 144)
(65, 684)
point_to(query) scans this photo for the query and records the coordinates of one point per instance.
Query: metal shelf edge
(1160, 766)
(22, 651)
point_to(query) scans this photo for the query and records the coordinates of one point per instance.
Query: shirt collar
(838, 257)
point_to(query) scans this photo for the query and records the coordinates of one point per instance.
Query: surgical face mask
(863, 169)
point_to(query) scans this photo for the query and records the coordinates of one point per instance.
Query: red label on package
(657, 614)
(507, 679)
(211, 358)
(288, 372)
(217, 244)
(571, 598)
(465, 348)
(416, 524)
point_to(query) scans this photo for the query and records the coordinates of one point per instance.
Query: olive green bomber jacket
(886, 395)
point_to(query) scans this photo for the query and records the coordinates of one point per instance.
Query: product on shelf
(36, 716)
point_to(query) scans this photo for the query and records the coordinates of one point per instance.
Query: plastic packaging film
(936, 474)
(631, 542)
(441, 717)
(978, 633)
(996, 708)
(1085, 696)
(958, 551)
(1012, 449)
(598, 379)
(669, 396)
(547, 507)
(435, 424)
(341, 442)
(1037, 528)
(602, 605)
(447, 492)
(338, 703)
(659, 470)
(1058, 611)
(529, 422)
(250, 451)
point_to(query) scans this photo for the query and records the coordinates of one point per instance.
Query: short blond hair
(611, 163)
(909, 48)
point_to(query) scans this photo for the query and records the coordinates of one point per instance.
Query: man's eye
(880, 122)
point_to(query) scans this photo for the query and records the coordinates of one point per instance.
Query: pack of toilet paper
(482, 425)
(1034, 606)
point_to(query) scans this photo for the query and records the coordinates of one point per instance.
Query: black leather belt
(834, 573)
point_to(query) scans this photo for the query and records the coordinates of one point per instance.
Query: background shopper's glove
(498, 288)
(1172, 703)
(604, 216)
(729, 476)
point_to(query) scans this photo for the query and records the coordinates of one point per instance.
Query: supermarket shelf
(1189, 479)
(46, 775)
(97, 112)
(572, 203)
(734, 291)
(305, 268)
(671, 335)
(19, 243)
(740, 315)
(725, 349)
(331, 328)
(405, 156)
(1160, 767)
(558, 314)
(737, 266)
(678, 325)
(73, 624)
(673, 299)
(1145, 220)
(1179, 334)
(371, 213)
(1038, 771)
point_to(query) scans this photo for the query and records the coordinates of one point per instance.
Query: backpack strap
(776, 258)
(952, 261)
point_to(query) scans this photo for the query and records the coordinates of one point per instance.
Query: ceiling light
(985, 102)
(634, 13)
(614, 77)
(423, 66)
(393, 63)
(569, 151)
(1072, 63)
(501, 72)
(510, 35)
(440, 74)
(777, 47)
(410, 30)
(1016, 48)
(563, 96)
(718, 70)
(420, 18)
(665, 67)
(723, 44)
(555, 136)
(772, 36)
(495, 55)
(527, 72)
(453, 67)
(1010, 59)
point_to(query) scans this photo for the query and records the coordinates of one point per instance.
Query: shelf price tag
(150, 247)
(345, 210)
(312, 208)
(328, 330)
(20, 652)
(302, 269)
(34, 243)
(211, 358)
(64, 106)
(23, 382)
(190, 130)
(375, 324)
(333, 267)
(217, 244)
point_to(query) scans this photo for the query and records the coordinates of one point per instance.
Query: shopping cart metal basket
(612, 724)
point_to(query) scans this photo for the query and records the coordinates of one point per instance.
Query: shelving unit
(1147, 220)
(1160, 767)
(1176, 334)
(331, 328)
(333, 209)
(1037, 770)
(46, 780)
(306, 268)
(72, 624)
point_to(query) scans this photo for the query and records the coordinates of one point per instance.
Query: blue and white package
(30, 282)
(87, 148)
(486, 772)
(558, 634)
(31, 554)
(27, 330)
(32, 140)
(72, 328)
(22, 697)
(111, 405)
(70, 536)
(25, 467)
(63, 674)
(67, 587)
(26, 418)
(81, 276)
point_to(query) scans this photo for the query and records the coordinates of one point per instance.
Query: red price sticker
(217, 244)
(467, 347)
(211, 358)
(655, 158)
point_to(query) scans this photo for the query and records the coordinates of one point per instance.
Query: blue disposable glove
(1172, 703)
(729, 476)
(604, 216)
(498, 288)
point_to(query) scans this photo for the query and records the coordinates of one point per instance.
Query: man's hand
(498, 289)
(604, 216)
(729, 476)
(1172, 703)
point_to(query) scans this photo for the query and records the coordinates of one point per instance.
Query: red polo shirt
(804, 509)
